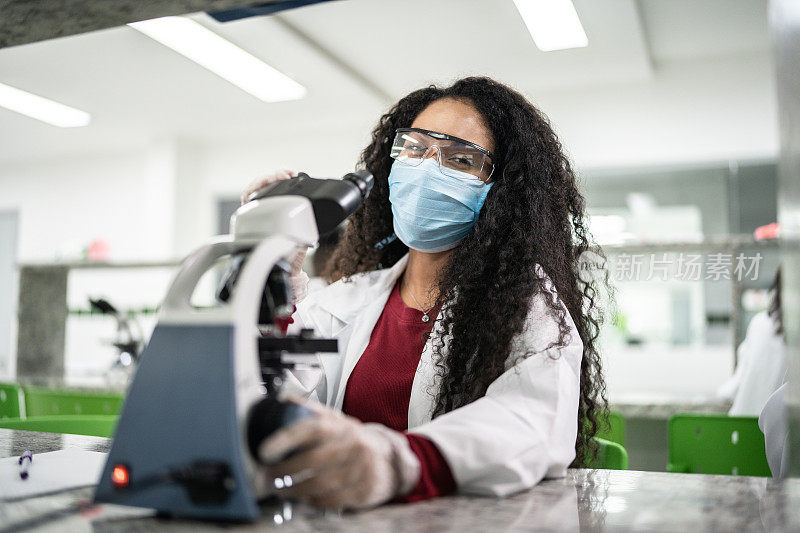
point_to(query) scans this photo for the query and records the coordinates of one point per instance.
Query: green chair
(610, 455)
(50, 402)
(612, 428)
(716, 444)
(95, 425)
(12, 401)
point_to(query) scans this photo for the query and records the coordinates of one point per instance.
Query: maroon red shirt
(379, 388)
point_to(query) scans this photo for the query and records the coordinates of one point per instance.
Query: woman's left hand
(339, 461)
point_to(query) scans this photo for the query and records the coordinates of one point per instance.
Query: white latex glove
(298, 278)
(340, 462)
(282, 174)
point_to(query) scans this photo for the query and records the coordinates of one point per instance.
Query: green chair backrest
(50, 402)
(12, 402)
(612, 428)
(610, 455)
(95, 425)
(716, 444)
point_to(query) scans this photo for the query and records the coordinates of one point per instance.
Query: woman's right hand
(299, 278)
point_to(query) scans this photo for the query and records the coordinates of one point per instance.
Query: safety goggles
(413, 145)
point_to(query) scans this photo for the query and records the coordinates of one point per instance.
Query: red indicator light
(120, 476)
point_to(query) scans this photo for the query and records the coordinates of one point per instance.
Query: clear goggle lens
(411, 147)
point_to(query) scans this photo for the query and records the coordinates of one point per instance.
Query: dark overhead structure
(29, 21)
(261, 9)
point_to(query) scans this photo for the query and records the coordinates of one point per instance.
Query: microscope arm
(177, 300)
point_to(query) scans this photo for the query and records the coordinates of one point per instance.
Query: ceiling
(355, 57)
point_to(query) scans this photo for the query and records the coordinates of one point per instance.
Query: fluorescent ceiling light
(42, 109)
(554, 24)
(221, 57)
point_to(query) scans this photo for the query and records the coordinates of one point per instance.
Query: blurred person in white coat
(467, 352)
(762, 364)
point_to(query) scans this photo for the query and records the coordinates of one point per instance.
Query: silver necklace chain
(425, 317)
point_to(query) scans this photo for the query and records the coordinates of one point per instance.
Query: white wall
(158, 203)
(75, 200)
(692, 111)
(8, 289)
(656, 373)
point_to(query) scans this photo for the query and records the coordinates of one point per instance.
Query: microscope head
(302, 208)
(290, 216)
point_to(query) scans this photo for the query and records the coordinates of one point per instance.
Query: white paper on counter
(51, 471)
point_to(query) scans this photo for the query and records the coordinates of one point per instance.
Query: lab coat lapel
(363, 320)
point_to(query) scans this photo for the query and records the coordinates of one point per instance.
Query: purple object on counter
(24, 466)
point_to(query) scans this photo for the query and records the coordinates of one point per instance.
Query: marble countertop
(591, 500)
(91, 384)
(659, 407)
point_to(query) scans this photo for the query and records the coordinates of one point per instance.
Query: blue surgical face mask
(433, 211)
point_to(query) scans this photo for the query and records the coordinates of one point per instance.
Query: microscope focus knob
(269, 415)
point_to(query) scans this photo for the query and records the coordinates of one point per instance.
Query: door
(8, 290)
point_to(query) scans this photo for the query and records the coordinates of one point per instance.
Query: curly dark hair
(533, 215)
(775, 310)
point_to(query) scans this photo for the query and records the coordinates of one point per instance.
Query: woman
(467, 354)
(762, 358)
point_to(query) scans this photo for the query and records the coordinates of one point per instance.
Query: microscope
(205, 394)
(128, 341)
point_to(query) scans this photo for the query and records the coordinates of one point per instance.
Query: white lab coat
(521, 431)
(760, 370)
(772, 422)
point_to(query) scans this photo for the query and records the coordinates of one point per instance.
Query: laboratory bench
(592, 500)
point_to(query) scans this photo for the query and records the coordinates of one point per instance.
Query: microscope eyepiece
(361, 179)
